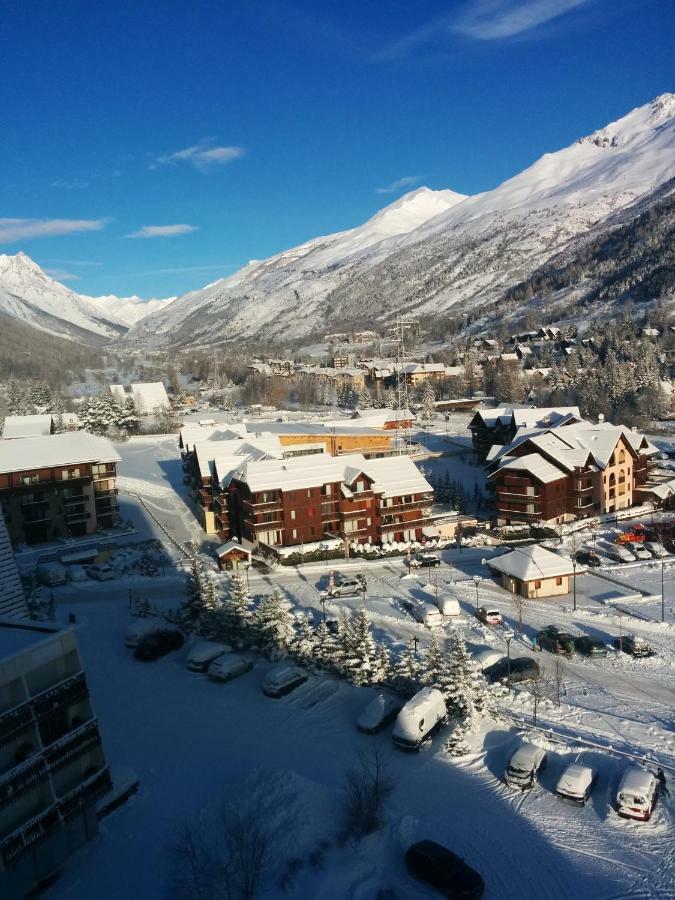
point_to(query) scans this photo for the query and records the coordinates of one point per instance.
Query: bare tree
(367, 787)
(247, 843)
(537, 685)
(559, 671)
(195, 871)
(519, 602)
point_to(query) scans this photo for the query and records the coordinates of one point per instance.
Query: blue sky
(152, 147)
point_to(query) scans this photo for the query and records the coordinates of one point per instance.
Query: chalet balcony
(76, 513)
(519, 497)
(69, 691)
(31, 501)
(403, 523)
(267, 523)
(33, 516)
(261, 504)
(74, 744)
(21, 781)
(42, 826)
(105, 492)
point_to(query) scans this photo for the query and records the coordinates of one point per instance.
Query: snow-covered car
(448, 605)
(588, 646)
(615, 552)
(430, 616)
(419, 718)
(656, 548)
(636, 796)
(488, 616)
(576, 783)
(587, 558)
(641, 552)
(228, 666)
(76, 573)
(556, 641)
(101, 572)
(283, 679)
(444, 870)
(382, 710)
(203, 653)
(522, 668)
(488, 657)
(524, 766)
(425, 561)
(633, 645)
(158, 644)
(51, 574)
(139, 629)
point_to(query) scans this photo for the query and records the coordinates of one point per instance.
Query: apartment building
(57, 486)
(573, 471)
(499, 426)
(288, 502)
(53, 770)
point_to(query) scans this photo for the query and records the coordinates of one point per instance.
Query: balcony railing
(22, 780)
(72, 745)
(34, 501)
(73, 804)
(19, 719)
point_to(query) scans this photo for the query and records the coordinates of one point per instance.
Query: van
(487, 657)
(203, 653)
(140, 629)
(51, 574)
(636, 796)
(524, 766)
(228, 666)
(448, 605)
(429, 616)
(615, 552)
(101, 572)
(419, 718)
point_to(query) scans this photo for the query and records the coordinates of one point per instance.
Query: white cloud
(61, 275)
(70, 184)
(202, 156)
(161, 231)
(490, 20)
(179, 270)
(398, 185)
(12, 230)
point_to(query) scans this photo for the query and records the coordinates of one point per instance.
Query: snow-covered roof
(292, 474)
(118, 392)
(149, 395)
(533, 564)
(395, 476)
(539, 417)
(243, 545)
(636, 780)
(27, 426)
(378, 418)
(70, 448)
(535, 465)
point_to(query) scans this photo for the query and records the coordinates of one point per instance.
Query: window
(537, 585)
(30, 479)
(310, 512)
(293, 514)
(309, 492)
(99, 469)
(327, 490)
(295, 533)
(70, 473)
(558, 581)
(368, 521)
(360, 487)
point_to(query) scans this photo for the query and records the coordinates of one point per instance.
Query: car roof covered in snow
(575, 778)
(422, 700)
(376, 709)
(636, 780)
(526, 755)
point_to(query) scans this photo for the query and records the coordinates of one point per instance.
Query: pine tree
(428, 410)
(41, 396)
(408, 669)
(344, 643)
(304, 646)
(381, 669)
(362, 650)
(191, 606)
(324, 649)
(238, 612)
(274, 625)
(211, 623)
(364, 400)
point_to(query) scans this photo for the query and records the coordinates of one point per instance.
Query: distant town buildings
(147, 396)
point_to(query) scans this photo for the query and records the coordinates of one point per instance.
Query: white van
(488, 657)
(427, 615)
(203, 653)
(51, 573)
(448, 605)
(524, 766)
(140, 629)
(615, 552)
(419, 718)
(636, 796)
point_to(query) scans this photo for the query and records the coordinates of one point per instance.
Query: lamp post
(323, 606)
(247, 566)
(477, 580)
(574, 583)
(663, 596)
(415, 642)
(508, 637)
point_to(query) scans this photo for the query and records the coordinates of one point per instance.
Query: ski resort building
(53, 770)
(58, 486)
(27, 426)
(535, 572)
(572, 471)
(501, 425)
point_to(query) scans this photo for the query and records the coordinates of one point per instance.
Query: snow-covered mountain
(27, 293)
(432, 251)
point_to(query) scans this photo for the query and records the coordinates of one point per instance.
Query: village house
(57, 486)
(27, 426)
(536, 572)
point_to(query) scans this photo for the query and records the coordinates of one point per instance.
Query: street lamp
(663, 596)
(247, 566)
(574, 583)
(477, 580)
(323, 606)
(508, 637)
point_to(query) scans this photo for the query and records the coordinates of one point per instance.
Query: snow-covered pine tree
(128, 415)
(41, 396)
(344, 642)
(428, 410)
(238, 612)
(324, 649)
(364, 400)
(305, 642)
(191, 606)
(211, 624)
(363, 650)
(407, 669)
(381, 669)
(274, 625)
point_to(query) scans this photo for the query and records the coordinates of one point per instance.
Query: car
(576, 783)
(656, 548)
(556, 641)
(524, 766)
(158, 644)
(101, 572)
(379, 713)
(430, 616)
(203, 654)
(588, 646)
(640, 551)
(588, 558)
(444, 870)
(228, 666)
(487, 657)
(633, 645)
(348, 587)
(636, 796)
(283, 679)
(488, 616)
(425, 561)
(522, 669)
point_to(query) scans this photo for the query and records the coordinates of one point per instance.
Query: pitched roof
(27, 426)
(536, 465)
(70, 448)
(149, 395)
(118, 392)
(533, 563)
(12, 602)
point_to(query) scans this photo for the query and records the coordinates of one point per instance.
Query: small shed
(535, 572)
(234, 555)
